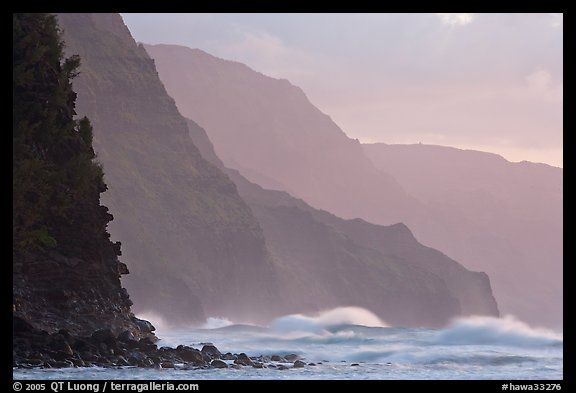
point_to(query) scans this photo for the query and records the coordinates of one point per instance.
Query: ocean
(352, 343)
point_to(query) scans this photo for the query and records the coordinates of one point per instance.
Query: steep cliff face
(486, 216)
(505, 218)
(325, 261)
(66, 272)
(276, 138)
(193, 246)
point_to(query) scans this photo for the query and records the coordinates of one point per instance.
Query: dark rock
(216, 363)
(20, 326)
(282, 367)
(277, 358)
(312, 364)
(258, 365)
(33, 362)
(59, 355)
(236, 366)
(135, 358)
(190, 355)
(104, 349)
(82, 345)
(211, 351)
(354, 364)
(148, 362)
(292, 357)
(299, 364)
(59, 343)
(146, 341)
(122, 268)
(167, 365)
(144, 326)
(88, 356)
(60, 364)
(228, 356)
(78, 362)
(103, 335)
(122, 361)
(146, 345)
(126, 336)
(243, 359)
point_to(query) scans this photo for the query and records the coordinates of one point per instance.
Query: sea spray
(470, 348)
(496, 331)
(324, 319)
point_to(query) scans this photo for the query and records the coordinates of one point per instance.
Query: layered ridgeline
(66, 272)
(275, 137)
(193, 246)
(325, 261)
(511, 214)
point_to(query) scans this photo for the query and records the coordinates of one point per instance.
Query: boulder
(211, 351)
(144, 326)
(190, 355)
(60, 344)
(299, 364)
(244, 360)
(217, 363)
(126, 336)
(104, 336)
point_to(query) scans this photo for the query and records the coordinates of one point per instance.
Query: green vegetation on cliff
(55, 180)
(192, 243)
(65, 268)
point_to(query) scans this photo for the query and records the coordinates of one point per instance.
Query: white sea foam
(496, 331)
(155, 319)
(216, 323)
(469, 348)
(319, 322)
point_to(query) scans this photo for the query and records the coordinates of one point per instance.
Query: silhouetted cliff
(193, 245)
(66, 272)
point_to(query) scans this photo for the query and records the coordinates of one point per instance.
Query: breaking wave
(325, 319)
(496, 331)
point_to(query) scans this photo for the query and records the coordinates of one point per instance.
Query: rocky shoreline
(35, 348)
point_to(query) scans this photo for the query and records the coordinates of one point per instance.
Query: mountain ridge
(210, 247)
(273, 140)
(393, 246)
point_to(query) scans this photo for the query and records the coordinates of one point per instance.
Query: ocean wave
(215, 323)
(496, 331)
(320, 322)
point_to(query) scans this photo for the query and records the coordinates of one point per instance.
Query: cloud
(497, 82)
(456, 19)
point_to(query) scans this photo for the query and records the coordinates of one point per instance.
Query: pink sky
(491, 82)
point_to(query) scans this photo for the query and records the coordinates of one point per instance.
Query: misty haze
(271, 196)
